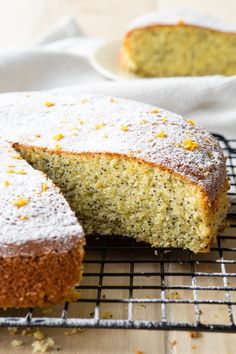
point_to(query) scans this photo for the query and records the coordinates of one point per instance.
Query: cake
(41, 241)
(124, 167)
(179, 43)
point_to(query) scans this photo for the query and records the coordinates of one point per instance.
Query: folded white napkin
(60, 61)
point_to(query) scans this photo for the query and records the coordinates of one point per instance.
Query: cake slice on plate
(179, 43)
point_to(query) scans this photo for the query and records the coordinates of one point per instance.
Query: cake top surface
(176, 17)
(102, 124)
(32, 208)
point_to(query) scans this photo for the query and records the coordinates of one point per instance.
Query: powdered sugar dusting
(32, 208)
(100, 124)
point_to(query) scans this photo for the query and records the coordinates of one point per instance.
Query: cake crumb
(174, 295)
(194, 334)
(193, 346)
(27, 332)
(42, 346)
(16, 343)
(38, 334)
(37, 135)
(106, 315)
(173, 343)
(142, 305)
(12, 331)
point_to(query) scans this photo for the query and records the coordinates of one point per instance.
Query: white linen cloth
(61, 61)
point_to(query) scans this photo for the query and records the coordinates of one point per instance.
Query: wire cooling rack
(131, 285)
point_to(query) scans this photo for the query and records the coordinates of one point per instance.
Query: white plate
(105, 60)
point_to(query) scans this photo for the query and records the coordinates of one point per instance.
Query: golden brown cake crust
(176, 18)
(154, 26)
(40, 274)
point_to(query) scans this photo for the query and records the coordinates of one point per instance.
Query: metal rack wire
(131, 285)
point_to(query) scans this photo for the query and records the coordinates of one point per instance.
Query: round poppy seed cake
(179, 43)
(125, 168)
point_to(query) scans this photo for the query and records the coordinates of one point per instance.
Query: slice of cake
(125, 168)
(179, 43)
(41, 242)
